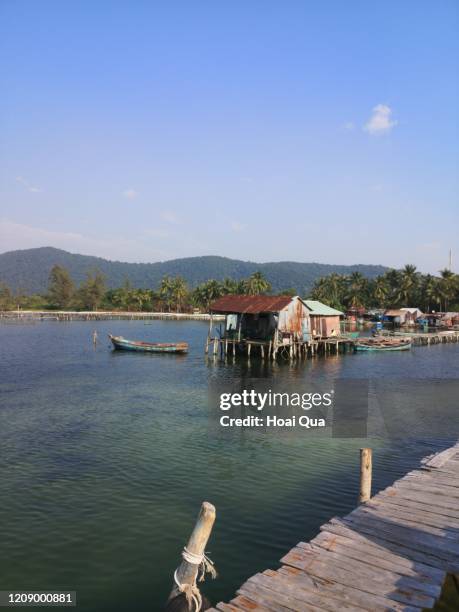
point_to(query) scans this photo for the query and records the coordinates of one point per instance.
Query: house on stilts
(271, 325)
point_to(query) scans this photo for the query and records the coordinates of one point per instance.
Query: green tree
(257, 284)
(449, 286)
(179, 292)
(166, 291)
(206, 293)
(61, 287)
(230, 286)
(409, 285)
(92, 291)
(380, 291)
(6, 297)
(356, 290)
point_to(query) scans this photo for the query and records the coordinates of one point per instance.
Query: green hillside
(27, 271)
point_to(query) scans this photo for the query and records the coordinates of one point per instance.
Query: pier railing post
(365, 474)
(193, 555)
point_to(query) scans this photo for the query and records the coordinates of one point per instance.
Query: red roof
(251, 304)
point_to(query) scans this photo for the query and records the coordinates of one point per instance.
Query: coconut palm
(257, 284)
(356, 290)
(409, 284)
(166, 291)
(380, 291)
(179, 291)
(449, 286)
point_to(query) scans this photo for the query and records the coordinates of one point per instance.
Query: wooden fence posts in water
(365, 474)
(194, 562)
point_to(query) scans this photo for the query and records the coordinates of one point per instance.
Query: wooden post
(187, 572)
(365, 475)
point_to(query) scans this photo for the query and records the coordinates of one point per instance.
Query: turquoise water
(106, 457)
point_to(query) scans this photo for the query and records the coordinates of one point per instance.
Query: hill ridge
(26, 271)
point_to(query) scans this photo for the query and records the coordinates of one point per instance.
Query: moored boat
(123, 344)
(383, 343)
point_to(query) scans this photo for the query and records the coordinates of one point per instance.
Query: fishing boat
(122, 344)
(382, 343)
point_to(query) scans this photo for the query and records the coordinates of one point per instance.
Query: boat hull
(122, 344)
(382, 349)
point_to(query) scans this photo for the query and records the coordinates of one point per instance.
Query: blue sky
(298, 130)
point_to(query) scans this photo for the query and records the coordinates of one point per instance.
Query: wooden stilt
(365, 474)
(187, 572)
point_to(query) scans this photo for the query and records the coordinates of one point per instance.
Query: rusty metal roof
(251, 304)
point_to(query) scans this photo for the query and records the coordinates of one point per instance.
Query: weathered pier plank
(393, 552)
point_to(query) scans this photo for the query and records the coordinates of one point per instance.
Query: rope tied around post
(191, 591)
(195, 563)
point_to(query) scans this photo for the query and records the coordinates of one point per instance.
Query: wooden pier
(391, 553)
(333, 345)
(101, 315)
(427, 338)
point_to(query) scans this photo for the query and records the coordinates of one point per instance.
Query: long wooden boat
(383, 343)
(122, 344)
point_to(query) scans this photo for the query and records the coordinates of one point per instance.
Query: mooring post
(365, 475)
(187, 571)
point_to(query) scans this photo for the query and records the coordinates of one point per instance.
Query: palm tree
(393, 279)
(356, 290)
(230, 286)
(380, 291)
(165, 291)
(257, 284)
(429, 291)
(179, 291)
(409, 284)
(211, 291)
(449, 285)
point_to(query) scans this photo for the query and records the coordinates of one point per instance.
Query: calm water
(106, 457)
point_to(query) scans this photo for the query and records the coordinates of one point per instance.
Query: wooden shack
(324, 320)
(272, 325)
(280, 319)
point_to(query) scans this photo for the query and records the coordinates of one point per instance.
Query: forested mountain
(27, 271)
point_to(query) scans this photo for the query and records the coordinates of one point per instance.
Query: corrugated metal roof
(317, 308)
(394, 312)
(251, 304)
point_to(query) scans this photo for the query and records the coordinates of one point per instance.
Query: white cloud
(169, 216)
(130, 193)
(380, 121)
(237, 227)
(25, 183)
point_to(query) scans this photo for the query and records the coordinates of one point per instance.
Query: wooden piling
(187, 572)
(365, 475)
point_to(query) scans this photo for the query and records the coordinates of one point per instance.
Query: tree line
(394, 288)
(172, 295)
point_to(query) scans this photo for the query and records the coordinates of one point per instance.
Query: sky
(257, 129)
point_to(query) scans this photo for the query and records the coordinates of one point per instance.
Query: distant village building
(403, 316)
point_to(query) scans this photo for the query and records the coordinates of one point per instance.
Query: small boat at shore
(382, 343)
(122, 344)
